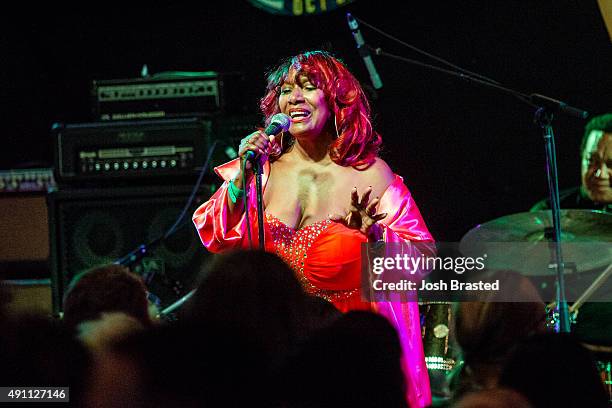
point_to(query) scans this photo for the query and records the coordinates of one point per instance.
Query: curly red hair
(357, 144)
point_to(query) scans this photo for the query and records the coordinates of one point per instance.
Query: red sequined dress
(326, 257)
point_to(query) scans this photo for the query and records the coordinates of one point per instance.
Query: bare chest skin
(301, 195)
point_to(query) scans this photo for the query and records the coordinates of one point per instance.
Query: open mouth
(298, 115)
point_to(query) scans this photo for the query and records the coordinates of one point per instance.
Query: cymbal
(521, 242)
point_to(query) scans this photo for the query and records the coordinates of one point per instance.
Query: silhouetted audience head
(554, 370)
(183, 366)
(488, 331)
(5, 298)
(494, 398)
(108, 329)
(322, 312)
(355, 362)
(36, 351)
(104, 289)
(255, 293)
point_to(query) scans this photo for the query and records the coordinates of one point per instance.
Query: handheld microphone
(364, 51)
(279, 123)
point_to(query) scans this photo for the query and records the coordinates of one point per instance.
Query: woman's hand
(361, 215)
(260, 144)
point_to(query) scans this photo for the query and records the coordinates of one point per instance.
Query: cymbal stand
(543, 118)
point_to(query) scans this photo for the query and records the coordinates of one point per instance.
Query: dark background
(468, 154)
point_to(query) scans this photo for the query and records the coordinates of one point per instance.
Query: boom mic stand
(136, 255)
(546, 107)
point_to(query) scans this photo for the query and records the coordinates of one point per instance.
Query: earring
(336, 127)
(280, 142)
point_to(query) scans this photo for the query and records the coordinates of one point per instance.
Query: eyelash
(307, 88)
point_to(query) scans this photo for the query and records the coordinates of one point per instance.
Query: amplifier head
(164, 149)
(130, 150)
(168, 95)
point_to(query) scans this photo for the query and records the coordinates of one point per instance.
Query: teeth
(298, 113)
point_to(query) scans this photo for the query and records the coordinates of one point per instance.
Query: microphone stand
(167, 311)
(258, 167)
(546, 107)
(139, 253)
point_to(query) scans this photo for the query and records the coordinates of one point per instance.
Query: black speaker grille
(97, 227)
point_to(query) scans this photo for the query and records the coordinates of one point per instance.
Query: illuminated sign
(299, 7)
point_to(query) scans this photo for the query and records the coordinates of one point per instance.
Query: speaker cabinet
(24, 253)
(89, 227)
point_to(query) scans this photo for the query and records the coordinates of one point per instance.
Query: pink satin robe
(402, 224)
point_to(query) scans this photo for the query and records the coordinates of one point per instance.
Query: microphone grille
(281, 120)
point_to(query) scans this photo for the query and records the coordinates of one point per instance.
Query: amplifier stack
(124, 179)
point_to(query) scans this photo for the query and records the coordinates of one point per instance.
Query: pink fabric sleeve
(404, 221)
(211, 218)
(404, 224)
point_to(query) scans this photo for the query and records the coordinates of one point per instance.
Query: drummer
(595, 193)
(594, 321)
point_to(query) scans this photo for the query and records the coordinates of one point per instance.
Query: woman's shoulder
(379, 172)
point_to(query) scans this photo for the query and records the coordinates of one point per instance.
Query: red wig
(357, 143)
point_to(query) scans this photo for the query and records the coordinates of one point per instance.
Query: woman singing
(325, 193)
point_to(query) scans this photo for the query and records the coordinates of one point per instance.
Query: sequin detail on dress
(292, 246)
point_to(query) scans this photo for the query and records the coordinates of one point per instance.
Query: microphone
(279, 123)
(364, 51)
(558, 106)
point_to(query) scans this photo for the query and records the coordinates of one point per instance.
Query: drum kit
(522, 243)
